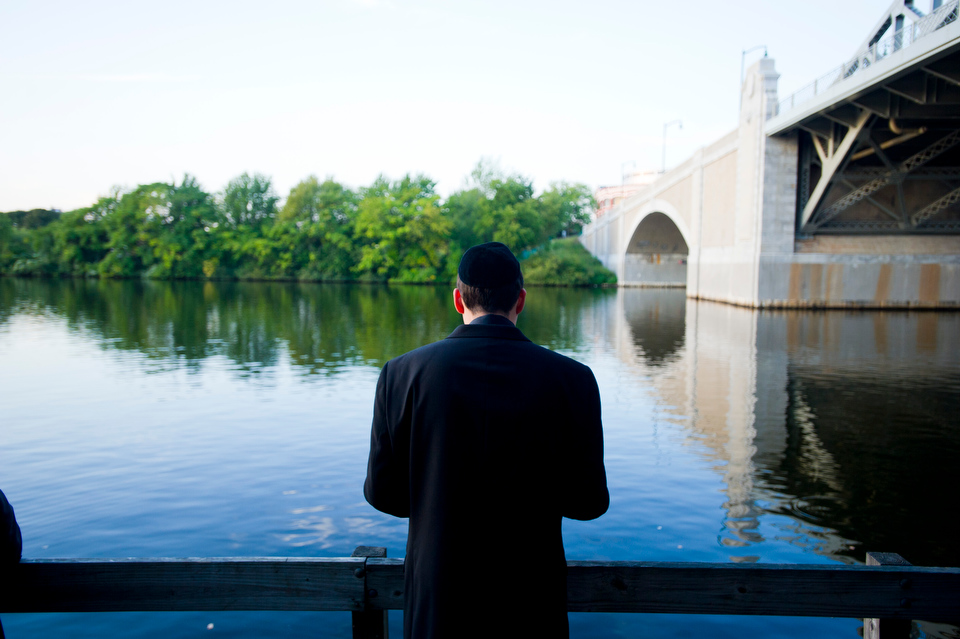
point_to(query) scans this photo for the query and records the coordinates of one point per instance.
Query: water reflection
(656, 320)
(840, 428)
(320, 328)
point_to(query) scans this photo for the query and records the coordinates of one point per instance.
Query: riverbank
(558, 262)
(566, 262)
(396, 231)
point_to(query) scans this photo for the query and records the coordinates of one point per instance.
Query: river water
(147, 419)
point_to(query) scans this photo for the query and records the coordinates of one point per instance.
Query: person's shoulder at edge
(11, 543)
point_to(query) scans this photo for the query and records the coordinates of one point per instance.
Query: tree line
(392, 230)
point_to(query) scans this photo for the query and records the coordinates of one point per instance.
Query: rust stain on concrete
(834, 282)
(796, 276)
(816, 282)
(883, 283)
(930, 283)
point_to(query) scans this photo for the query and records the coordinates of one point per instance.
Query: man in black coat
(485, 441)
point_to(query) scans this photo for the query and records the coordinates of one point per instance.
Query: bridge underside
(656, 254)
(886, 160)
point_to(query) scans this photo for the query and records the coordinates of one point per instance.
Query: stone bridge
(844, 194)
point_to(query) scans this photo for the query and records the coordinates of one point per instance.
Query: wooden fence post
(888, 628)
(370, 624)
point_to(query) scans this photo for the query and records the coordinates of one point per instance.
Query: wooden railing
(888, 594)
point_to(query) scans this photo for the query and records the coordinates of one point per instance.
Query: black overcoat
(485, 441)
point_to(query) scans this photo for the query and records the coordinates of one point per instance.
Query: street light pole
(663, 164)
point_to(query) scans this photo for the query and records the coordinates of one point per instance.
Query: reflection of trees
(553, 316)
(321, 327)
(656, 319)
(7, 300)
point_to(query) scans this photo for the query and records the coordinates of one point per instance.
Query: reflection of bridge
(788, 407)
(844, 194)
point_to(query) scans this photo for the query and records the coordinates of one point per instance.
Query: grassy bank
(565, 262)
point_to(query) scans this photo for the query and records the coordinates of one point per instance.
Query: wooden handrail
(370, 582)
(791, 590)
(219, 583)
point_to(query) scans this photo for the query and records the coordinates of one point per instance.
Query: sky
(99, 94)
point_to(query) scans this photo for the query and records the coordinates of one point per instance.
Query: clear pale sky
(95, 94)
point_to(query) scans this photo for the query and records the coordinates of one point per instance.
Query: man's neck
(469, 316)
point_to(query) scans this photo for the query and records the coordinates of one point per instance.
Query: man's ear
(521, 300)
(458, 301)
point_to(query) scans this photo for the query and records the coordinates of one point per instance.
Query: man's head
(489, 281)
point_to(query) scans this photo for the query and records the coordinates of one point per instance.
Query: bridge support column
(762, 206)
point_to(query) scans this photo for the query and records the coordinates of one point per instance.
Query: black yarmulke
(489, 265)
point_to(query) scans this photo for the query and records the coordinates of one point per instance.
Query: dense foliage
(389, 231)
(565, 262)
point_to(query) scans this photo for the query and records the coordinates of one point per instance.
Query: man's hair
(491, 300)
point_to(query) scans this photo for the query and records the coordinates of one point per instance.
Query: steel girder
(886, 160)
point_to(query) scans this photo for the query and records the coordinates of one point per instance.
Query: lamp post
(743, 57)
(663, 165)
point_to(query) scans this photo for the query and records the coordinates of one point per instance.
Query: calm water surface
(197, 419)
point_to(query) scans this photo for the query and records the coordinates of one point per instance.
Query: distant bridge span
(844, 194)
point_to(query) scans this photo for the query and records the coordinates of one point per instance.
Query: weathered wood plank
(735, 589)
(891, 592)
(95, 585)
(385, 578)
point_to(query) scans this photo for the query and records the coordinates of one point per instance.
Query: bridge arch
(656, 249)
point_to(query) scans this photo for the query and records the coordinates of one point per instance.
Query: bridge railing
(944, 15)
(887, 594)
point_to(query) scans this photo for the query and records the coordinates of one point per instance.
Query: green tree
(130, 225)
(249, 200)
(497, 208)
(79, 241)
(404, 233)
(11, 244)
(320, 217)
(513, 217)
(178, 230)
(566, 208)
(33, 219)
(464, 209)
